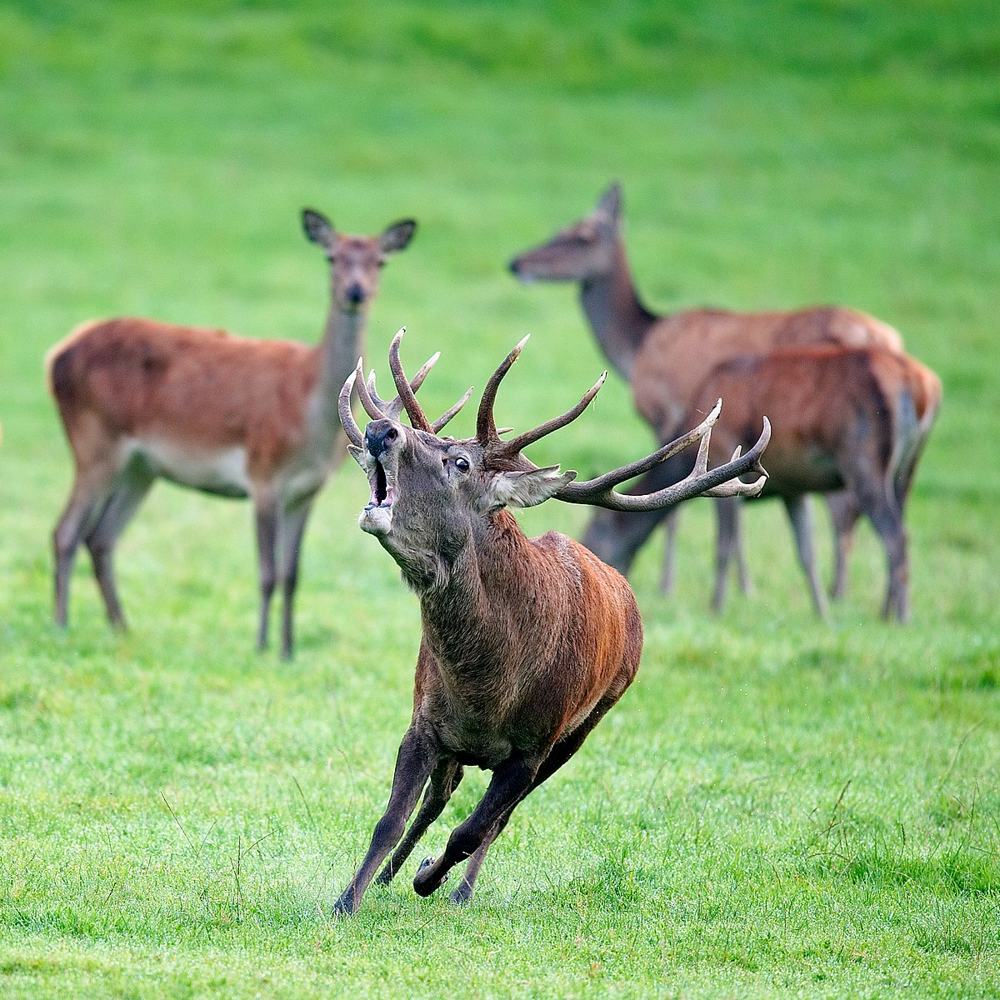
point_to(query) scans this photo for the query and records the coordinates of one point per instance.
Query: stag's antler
(600, 492)
(377, 408)
(719, 482)
(486, 428)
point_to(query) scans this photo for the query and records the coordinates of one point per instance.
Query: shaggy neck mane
(476, 617)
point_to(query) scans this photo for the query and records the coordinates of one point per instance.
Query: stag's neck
(619, 320)
(343, 343)
(493, 596)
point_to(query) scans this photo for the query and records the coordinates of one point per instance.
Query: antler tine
(605, 484)
(600, 492)
(418, 380)
(448, 414)
(522, 441)
(403, 388)
(486, 428)
(393, 407)
(368, 399)
(347, 420)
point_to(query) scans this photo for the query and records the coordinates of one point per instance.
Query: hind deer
(847, 419)
(140, 399)
(526, 643)
(666, 358)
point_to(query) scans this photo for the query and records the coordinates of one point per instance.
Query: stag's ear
(397, 236)
(526, 489)
(318, 228)
(358, 454)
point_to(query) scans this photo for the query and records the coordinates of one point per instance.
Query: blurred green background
(154, 161)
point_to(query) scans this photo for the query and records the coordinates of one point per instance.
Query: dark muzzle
(379, 434)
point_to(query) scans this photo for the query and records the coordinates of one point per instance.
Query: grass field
(777, 807)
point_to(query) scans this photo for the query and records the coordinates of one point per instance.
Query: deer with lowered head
(853, 420)
(665, 358)
(140, 399)
(526, 643)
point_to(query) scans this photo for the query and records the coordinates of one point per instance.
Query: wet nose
(379, 434)
(515, 265)
(355, 294)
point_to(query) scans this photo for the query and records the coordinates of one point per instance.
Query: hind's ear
(318, 228)
(397, 236)
(610, 204)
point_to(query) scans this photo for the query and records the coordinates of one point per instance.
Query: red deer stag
(843, 417)
(666, 358)
(526, 643)
(241, 418)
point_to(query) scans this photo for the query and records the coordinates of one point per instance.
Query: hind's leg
(128, 494)
(86, 502)
(800, 514)
(878, 502)
(844, 514)
(727, 542)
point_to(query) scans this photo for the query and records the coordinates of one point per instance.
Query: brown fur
(525, 645)
(842, 418)
(140, 399)
(666, 358)
(202, 388)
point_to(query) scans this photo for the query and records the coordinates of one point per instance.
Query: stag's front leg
(444, 781)
(511, 782)
(416, 759)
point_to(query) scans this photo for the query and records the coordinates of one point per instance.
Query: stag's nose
(379, 434)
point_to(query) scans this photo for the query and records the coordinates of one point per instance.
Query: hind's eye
(462, 464)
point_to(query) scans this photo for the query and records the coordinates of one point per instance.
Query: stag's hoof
(343, 909)
(425, 881)
(461, 895)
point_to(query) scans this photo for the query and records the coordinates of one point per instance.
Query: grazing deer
(848, 419)
(222, 414)
(666, 358)
(526, 643)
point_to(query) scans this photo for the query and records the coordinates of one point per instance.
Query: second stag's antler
(722, 481)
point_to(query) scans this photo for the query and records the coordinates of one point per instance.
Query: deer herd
(525, 643)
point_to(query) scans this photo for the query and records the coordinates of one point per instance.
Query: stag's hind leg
(560, 753)
(511, 781)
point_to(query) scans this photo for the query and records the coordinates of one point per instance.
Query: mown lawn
(777, 807)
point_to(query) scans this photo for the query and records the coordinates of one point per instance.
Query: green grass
(777, 807)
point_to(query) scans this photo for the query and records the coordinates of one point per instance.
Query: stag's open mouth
(383, 486)
(376, 518)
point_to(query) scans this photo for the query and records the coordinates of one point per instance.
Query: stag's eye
(462, 464)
